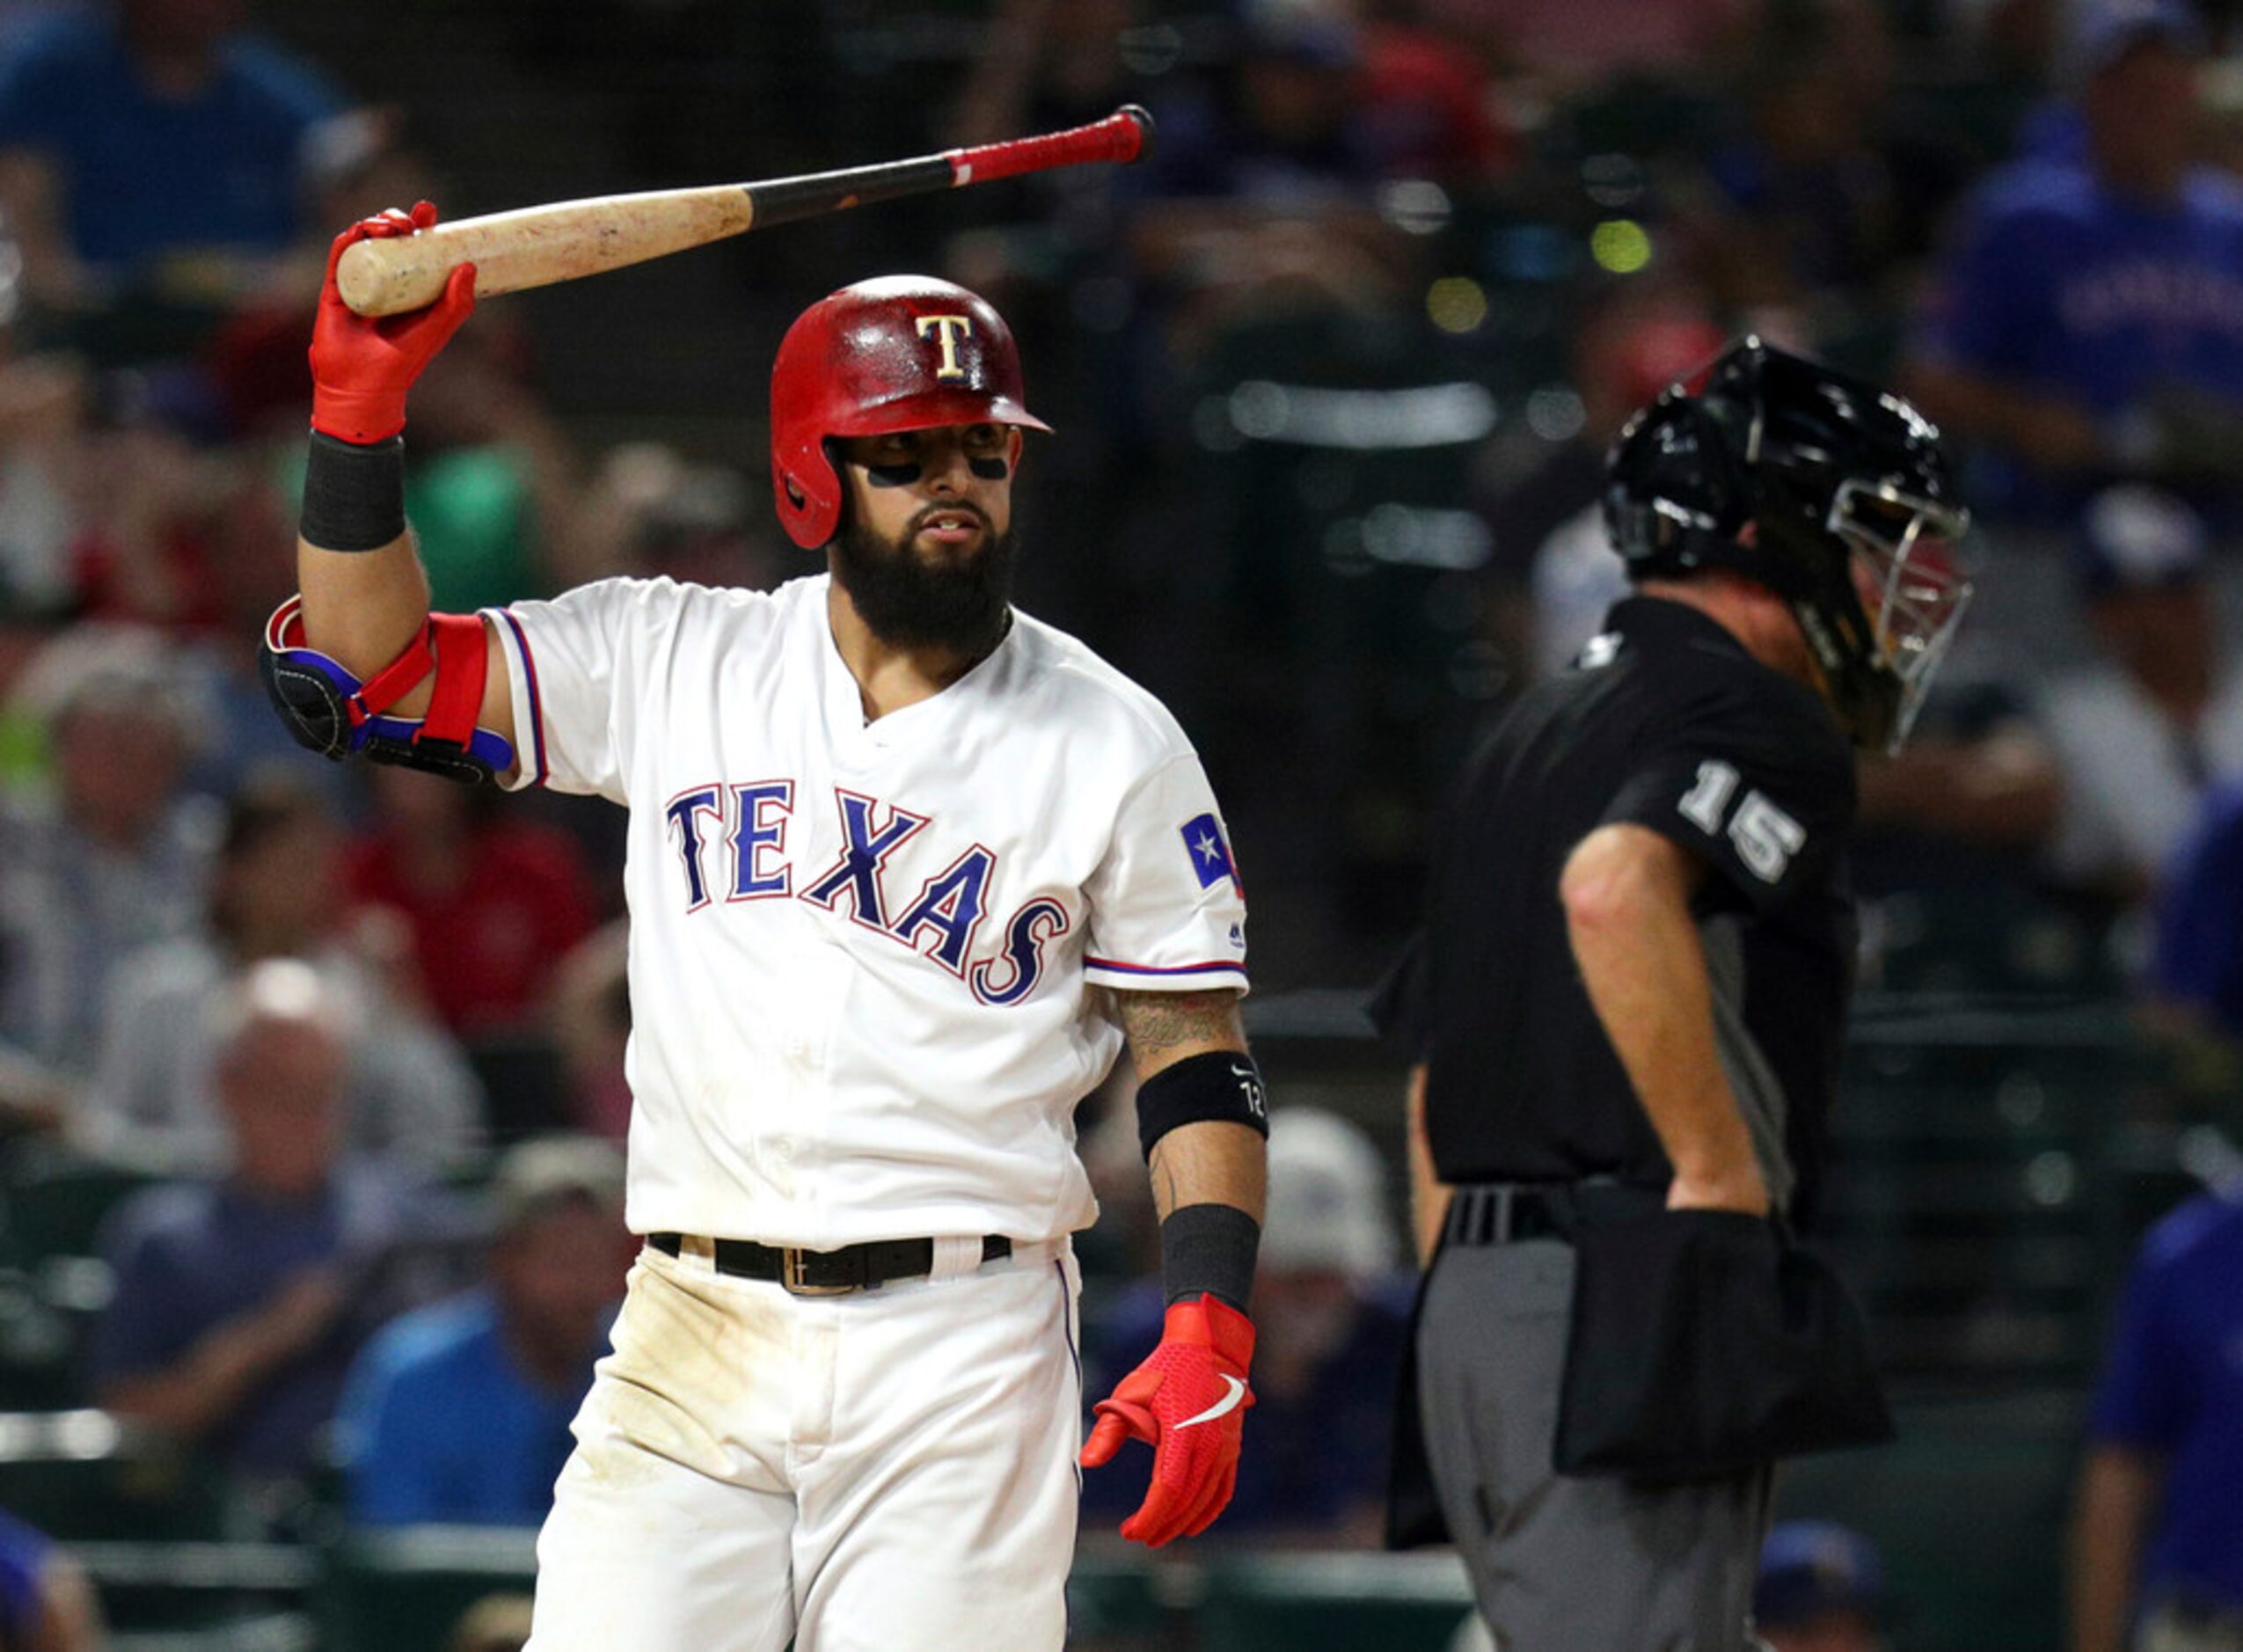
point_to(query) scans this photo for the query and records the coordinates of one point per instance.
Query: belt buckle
(792, 1280)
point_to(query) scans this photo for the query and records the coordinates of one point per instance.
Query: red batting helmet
(898, 353)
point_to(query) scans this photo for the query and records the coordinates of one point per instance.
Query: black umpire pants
(1560, 1564)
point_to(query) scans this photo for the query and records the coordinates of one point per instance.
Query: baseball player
(906, 870)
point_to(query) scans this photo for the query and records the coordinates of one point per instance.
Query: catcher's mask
(1831, 493)
(898, 353)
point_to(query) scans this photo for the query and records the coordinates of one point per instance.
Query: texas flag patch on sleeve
(1210, 854)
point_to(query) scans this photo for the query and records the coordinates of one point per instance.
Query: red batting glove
(362, 366)
(1187, 1402)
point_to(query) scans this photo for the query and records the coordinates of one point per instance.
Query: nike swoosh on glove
(361, 367)
(1188, 1401)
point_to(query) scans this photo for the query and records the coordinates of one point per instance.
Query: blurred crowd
(1332, 372)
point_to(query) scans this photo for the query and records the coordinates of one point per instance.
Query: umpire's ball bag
(1705, 1343)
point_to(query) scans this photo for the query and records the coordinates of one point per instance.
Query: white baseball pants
(890, 1471)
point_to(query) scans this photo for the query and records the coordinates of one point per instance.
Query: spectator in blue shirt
(1821, 1588)
(2198, 969)
(2089, 324)
(2157, 1540)
(241, 1301)
(46, 1604)
(151, 130)
(460, 1413)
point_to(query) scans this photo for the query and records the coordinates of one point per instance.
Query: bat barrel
(536, 247)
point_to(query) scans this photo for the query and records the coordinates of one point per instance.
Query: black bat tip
(1143, 116)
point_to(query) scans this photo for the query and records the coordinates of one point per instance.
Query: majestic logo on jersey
(1211, 861)
(938, 922)
(949, 330)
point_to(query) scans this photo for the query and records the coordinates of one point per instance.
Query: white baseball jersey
(860, 952)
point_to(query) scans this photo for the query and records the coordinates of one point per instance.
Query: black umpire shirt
(1664, 722)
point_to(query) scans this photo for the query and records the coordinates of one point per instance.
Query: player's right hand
(1188, 1401)
(362, 366)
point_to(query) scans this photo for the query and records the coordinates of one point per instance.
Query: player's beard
(910, 603)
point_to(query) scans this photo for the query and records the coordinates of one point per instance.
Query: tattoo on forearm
(1159, 1021)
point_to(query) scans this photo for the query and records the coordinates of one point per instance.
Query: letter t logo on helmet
(947, 328)
(898, 353)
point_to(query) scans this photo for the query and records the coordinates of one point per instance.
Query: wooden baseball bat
(535, 246)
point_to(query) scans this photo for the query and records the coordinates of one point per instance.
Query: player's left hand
(1188, 1401)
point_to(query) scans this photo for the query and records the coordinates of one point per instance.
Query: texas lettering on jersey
(747, 822)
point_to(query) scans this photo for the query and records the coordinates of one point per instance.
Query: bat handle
(1125, 135)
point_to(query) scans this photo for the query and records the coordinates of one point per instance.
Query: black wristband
(353, 494)
(1212, 1248)
(1219, 1086)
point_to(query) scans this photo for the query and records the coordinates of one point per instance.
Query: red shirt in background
(487, 949)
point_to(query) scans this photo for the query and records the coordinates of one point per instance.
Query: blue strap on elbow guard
(331, 712)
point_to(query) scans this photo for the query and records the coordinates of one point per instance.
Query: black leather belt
(1506, 1212)
(864, 1267)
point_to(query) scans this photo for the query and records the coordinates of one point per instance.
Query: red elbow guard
(332, 712)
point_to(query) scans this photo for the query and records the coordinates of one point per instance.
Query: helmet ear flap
(830, 452)
(808, 491)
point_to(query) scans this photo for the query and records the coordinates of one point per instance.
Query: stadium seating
(52, 1204)
(1333, 1602)
(404, 1590)
(1967, 1509)
(56, 1201)
(84, 1474)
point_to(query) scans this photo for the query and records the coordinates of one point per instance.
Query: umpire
(1626, 1002)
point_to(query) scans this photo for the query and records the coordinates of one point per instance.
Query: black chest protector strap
(332, 712)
